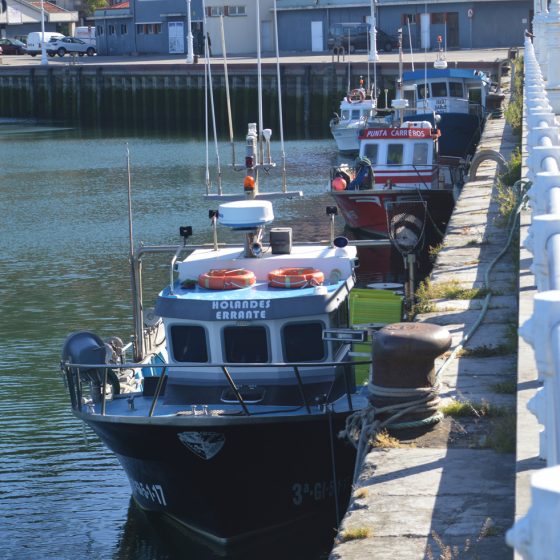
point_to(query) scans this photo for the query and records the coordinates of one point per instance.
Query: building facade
(160, 26)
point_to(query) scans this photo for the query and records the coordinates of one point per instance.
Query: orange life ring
(356, 93)
(295, 278)
(226, 279)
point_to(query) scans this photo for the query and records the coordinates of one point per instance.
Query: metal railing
(535, 536)
(96, 376)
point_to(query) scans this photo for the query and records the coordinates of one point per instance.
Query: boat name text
(240, 310)
(397, 133)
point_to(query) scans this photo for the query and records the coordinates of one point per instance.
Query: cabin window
(475, 96)
(408, 94)
(246, 345)
(189, 343)
(421, 89)
(355, 113)
(345, 115)
(456, 89)
(439, 89)
(395, 154)
(420, 153)
(370, 151)
(303, 342)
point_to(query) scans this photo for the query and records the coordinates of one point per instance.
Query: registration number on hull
(152, 492)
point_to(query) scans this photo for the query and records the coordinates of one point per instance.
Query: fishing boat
(398, 183)
(233, 428)
(454, 99)
(357, 111)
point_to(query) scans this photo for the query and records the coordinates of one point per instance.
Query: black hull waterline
(232, 478)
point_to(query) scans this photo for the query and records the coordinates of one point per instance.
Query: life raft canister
(295, 278)
(226, 279)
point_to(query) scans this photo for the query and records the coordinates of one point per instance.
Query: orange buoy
(295, 278)
(226, 279)
(338, 184)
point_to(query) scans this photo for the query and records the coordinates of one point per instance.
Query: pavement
(470, 56)
(452, 492)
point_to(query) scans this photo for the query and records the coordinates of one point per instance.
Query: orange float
(226, 279)
(295, 278)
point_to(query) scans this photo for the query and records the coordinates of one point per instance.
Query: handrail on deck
(73, 373)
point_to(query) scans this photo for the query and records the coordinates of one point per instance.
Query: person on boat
(364, 177)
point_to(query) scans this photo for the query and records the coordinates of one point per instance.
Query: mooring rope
(363, 425)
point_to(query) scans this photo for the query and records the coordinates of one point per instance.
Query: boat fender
(338, 184)
(226, 279)
(295, 278)
(356, 96)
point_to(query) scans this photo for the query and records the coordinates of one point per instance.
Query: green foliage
(92, 5)
(514, 110)
(428, 291)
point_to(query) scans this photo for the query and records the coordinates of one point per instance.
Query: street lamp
(43, 47)
(190, 57)
(372, 55)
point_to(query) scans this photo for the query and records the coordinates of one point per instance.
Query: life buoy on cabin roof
(295, 278)
(226, 279)
(356, 96)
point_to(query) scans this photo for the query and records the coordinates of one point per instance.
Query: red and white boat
(398, 173)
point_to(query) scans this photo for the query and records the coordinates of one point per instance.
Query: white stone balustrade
(536, 536)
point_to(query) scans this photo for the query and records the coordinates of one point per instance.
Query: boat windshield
(189, 343)
(246, 345)
(420, 153)
(456, 89)
(395, 154)
(370, 151)
(439, 89)
(303, 342)
(421, 91)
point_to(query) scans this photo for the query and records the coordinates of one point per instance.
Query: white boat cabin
(403, 157)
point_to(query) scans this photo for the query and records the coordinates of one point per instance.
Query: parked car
(12, 46)
(61, 46)
(358, 36)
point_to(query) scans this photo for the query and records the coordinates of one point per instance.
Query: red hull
(366, 210)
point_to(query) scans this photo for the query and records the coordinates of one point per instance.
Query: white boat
(358, 110)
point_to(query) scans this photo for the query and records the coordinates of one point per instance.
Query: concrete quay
(448, 493)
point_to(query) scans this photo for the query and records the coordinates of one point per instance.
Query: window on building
(245, 345)
(439, 17)
(303, 342)
(124, 29)
(439, 89)
(110, 29)
(456, 89)
(395, 154)
(189, 343)
(214, 11)
(371, 152)
(235, 11)
(99, 30)
(412, 18)
(420, 153)
(148, 28)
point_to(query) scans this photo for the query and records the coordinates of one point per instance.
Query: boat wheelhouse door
(409, 93)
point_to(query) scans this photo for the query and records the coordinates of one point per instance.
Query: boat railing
(97, 376)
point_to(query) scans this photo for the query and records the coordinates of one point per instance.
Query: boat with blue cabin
(454, 100)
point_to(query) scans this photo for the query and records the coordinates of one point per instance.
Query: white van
(86, 34)
(34, 41)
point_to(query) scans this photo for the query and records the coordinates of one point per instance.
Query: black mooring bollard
(403, 371)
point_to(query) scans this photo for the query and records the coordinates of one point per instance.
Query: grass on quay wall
(354, 534)
(458, 409)
(428, 291)
(514, 110)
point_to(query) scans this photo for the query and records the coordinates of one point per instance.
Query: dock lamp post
(44, 61)
(190, 57)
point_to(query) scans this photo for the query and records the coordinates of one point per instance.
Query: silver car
(69, 45)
